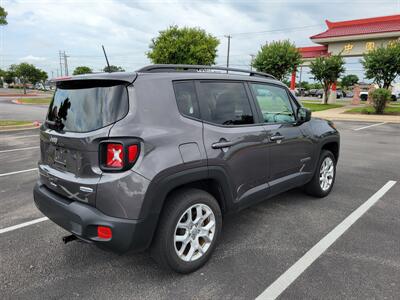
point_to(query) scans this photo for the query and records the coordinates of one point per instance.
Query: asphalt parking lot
(258, 245)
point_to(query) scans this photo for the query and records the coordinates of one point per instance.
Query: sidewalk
(339, 115)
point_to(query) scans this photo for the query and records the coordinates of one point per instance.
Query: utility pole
(251, 62)
(66, 64)
(59, 55)
(229, 48)
(52, 74)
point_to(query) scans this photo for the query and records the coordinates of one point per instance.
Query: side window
(274, 103)
(186, 99)
(225, 103)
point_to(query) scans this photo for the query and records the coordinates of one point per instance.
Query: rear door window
(87, 105)
(225, 103)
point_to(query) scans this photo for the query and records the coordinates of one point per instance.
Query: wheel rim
(194, 232)
(326, 174)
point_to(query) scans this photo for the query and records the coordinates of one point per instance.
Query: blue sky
(37, 30)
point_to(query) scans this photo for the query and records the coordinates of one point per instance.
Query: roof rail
(181, 67)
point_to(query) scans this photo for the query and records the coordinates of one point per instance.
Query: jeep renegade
(155, 158)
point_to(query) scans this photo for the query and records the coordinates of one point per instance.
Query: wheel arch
(211, 179)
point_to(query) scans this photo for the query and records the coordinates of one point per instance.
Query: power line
(273, 30)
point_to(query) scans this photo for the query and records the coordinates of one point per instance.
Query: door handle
(276, 137)
(220, 145)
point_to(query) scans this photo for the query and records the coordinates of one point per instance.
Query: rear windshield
(86, 107)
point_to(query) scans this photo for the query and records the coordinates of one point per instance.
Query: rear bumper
(82, 220)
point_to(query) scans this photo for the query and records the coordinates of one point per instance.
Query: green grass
(14, 123)
(35, 100)
(389, 110)
(319, 107)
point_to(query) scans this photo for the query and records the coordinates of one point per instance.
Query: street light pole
(251, 62)
(229, 48)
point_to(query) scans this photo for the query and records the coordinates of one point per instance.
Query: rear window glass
(186, 99)
(78, 108)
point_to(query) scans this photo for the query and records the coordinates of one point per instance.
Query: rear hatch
(80, 116)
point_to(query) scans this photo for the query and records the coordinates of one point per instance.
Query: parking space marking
(361, 128)
(11, 228)
(19, 149)
(20, 136)
(291, 274)
(17, 172)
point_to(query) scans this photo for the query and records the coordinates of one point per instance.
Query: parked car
(319, 93)
(155, 158)
(363, 96)
(349, 94)
(312, 92)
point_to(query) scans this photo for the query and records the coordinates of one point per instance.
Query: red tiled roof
(361, 26)
(314, 51)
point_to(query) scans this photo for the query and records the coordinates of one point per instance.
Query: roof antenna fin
(105, 55)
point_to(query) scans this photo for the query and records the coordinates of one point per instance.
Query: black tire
(313, 187)
(163, 246)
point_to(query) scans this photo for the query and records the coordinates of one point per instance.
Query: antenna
(105, 54)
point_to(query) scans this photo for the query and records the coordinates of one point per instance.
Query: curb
(19, 95)
(35, 125)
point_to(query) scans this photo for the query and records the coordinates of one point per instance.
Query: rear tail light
(104, 232)
(118, 155)
(115, 156)
(133, 151)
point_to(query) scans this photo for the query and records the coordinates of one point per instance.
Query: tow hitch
(69, 238)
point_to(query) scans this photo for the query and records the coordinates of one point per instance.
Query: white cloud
(32, 58)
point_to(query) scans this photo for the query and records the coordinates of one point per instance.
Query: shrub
(379, 99)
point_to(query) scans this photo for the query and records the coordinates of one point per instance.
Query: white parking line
(361, 128)
(11, 228)
(17, 172)
(18, 149)
(20, 136)
(291, 274)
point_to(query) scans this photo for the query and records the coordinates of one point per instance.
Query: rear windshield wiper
(54, 125)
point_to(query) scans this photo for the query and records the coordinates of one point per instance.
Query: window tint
(85, 106)
(186, 98)
(225, 103)
(274, 103)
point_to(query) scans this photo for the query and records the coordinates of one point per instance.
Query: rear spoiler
(128, 77)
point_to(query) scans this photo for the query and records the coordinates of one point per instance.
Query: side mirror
(303, 115)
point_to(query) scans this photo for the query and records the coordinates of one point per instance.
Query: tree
(278, 58)
(9, 76)
(112, 68)
(379, 99)
(28, 73)
(3, 16)
(327, 70)
(82, 70)
(348, 81)
(382, 64)
(186, 45)
(305, 85)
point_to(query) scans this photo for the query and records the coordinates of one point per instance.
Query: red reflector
(104, 232)
(132, 152)
(115, 156)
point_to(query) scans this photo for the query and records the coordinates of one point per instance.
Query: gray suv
(155, 158)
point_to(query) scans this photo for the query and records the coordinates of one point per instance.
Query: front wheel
(188, 231)
(322, 182)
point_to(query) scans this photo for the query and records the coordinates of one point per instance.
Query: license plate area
(60, 157)
(64, 159)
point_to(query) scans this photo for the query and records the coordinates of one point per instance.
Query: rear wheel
(322, 182)
(189, 228)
